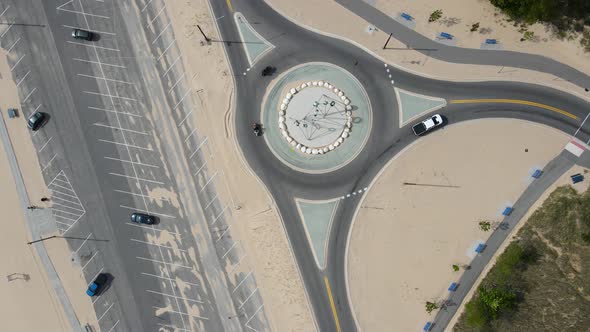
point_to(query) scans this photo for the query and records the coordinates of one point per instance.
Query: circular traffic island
(317, 118)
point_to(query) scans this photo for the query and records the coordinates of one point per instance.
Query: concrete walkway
(33, 218)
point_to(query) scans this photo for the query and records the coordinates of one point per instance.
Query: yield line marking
(332, 304)
(515, 101)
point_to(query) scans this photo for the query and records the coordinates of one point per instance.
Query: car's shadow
(107, 284)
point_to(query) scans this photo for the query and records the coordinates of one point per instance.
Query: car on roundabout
(427, 125)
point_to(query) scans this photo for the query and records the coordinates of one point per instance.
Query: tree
(485, 225)
(455, 267)
(528, 35)
(496, 300)
(431, 306)
(474, 27)
(435, 15)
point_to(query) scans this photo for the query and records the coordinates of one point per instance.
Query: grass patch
(541, 282)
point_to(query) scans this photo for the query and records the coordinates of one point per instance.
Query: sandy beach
(405, 238)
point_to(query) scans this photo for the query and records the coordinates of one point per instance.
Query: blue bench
(577, 178)
(480, 248)
(427, 327)
(507, 211)
(537, 173)
(453, 287)
(491, 41)
(406, 17)
(446, 35)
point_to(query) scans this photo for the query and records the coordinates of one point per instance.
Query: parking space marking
(149, 228)
(5, 31)
(96, 31)
(155, 17)
(200, 168)
(44, 145)
(253, 315)
(82, 13)
(80, 247)
(158, 245)
(124, 129)
(10, 48)
(128, 145)
(65, 218)
(113, 111)
(57, 190)
(165, 263)
(140, 195)
(219, 215)
(186, 117)
(29, 95)
(177, 81)
(231, 270)
(169, 279)
(146, 5)
(106, 311)
(229, 250)
(248, 298)
(238, 286)
(174, 296)
(4, 11)
(105, 79)
(222, 234)
(62, 223)
(132, 162)
(171, 66)
(93, 46)
(151, 212)
(175, 328)
(181, 99)
(178, 312)
(166, 50)
(96, 275)
(27, 74)
(117, 322)
(107, 95)
(212, 200)
(65, 200)
(189, 135)
(199, 147)
(17, 62)
(161, 32)
(208, 181)
(100, 63)
(83, 267)
(62, 193)
(136, 178)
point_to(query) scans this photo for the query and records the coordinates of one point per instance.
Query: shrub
(435, 15)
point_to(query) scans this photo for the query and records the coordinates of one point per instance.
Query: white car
(428, 124)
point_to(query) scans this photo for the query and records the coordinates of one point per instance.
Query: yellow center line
(515, 101)
(229, 5)
(332, 304)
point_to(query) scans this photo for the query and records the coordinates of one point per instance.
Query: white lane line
(248, 298)
(107, 95)
(229, 250)
(150, 229)
(136, 178)
(173, 296)
(208, 181)
(158, 245)
(161, 32)
(83, 267)
(166, 50)
(94, 46)
(112, 111)
(253, 315)
(80, 247)
(181, 99)
(200, 168)
(146, 5)
(4, 11)
(17, 62)
(140, 195)
(171, 66)
(186, 117)
(11, 47)
(97, 31)
(175, 328)
(106, 79)
(219, 215)
(189, 135)
(44, 145)
(212, 200)
(155, 17)
(29, 95)
(48, 163)
(154, 213)
(238, 286)
(5, 31)
(106, 311)
(177, 81)
(117, 322)
(132, 162)
(69, 207)
(169, 279)
(124, 129)
(180, 313)
(83, 13)
(129, 145)
(27, 74)
(100, 63)
(222, 234)
(199, 147)
(165, 263)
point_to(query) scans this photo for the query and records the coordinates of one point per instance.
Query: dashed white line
(136, 178)
(173, 296)
(27, 74)
(44, 145)
(124, 129)
(166, 50)
(132, 162)
(158, 245)
(165, 263)
(161, 32)
(100, 63)
(17, 62)
(171, 66)
(29, 95)
(129, 145)
(107, 95)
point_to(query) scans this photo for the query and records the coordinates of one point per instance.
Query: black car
(142, 218)
(97, 285)
(82, 34)
(36, 120)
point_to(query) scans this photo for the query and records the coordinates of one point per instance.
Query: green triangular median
(317, 217)
(412, 105)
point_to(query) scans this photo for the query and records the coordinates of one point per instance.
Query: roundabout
(317, 117)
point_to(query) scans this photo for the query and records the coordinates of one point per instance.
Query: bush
(474, 27)
(435, 15)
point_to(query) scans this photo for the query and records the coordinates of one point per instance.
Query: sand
(405, 239)
(256, 224)
(562, 181)
(311, 14)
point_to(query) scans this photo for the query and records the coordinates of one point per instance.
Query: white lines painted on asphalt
(68, 207)
(106, 311)
(173, 296)
(208, 181)
(146, 5)
(166, 50)
(200, 168)
(178, 312)
(117, 322)
(27, 74)
(96, 275)
(184, 119)
(66, 212)
(5, 31)
(199, 147)
(150, 212)
(93, 46)
(108, 95)
(238, 285)
(181, 99)
(124, 129)
(171, 66)
(189, 135)
(229, 250)
(82, 13)
(132, 162)
(57, 191)
(162, 262)
(175, 328)
(128, 145)
(157, 245)
(212, 200)
(248, 298)
(96, 31)
(83, 267)
(170, 279)
(253, 315)
(80, 247)
(149, 228)
(155, 17)
(140, 195)
(17, 62)
(113, 111)
(100, 63)
(35, 110)
(4, 11)
(222, 234)
(44, 145)
(219, 215)
(231, 270)
(105, 79)
(136, 178)
(161, 32)
(29, 95)
(11, 47)
(580, 127)
(177, 81)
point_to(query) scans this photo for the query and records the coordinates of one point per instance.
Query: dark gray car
(36, 120)
(142, 218)
(82, 34)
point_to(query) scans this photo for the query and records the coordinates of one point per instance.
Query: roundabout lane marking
(514, 101)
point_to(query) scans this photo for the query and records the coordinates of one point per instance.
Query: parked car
(427, 125)
(142, 218)
(97, 285)
(82, 34)
(36, 120)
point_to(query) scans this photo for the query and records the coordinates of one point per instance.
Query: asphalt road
(295, 45)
